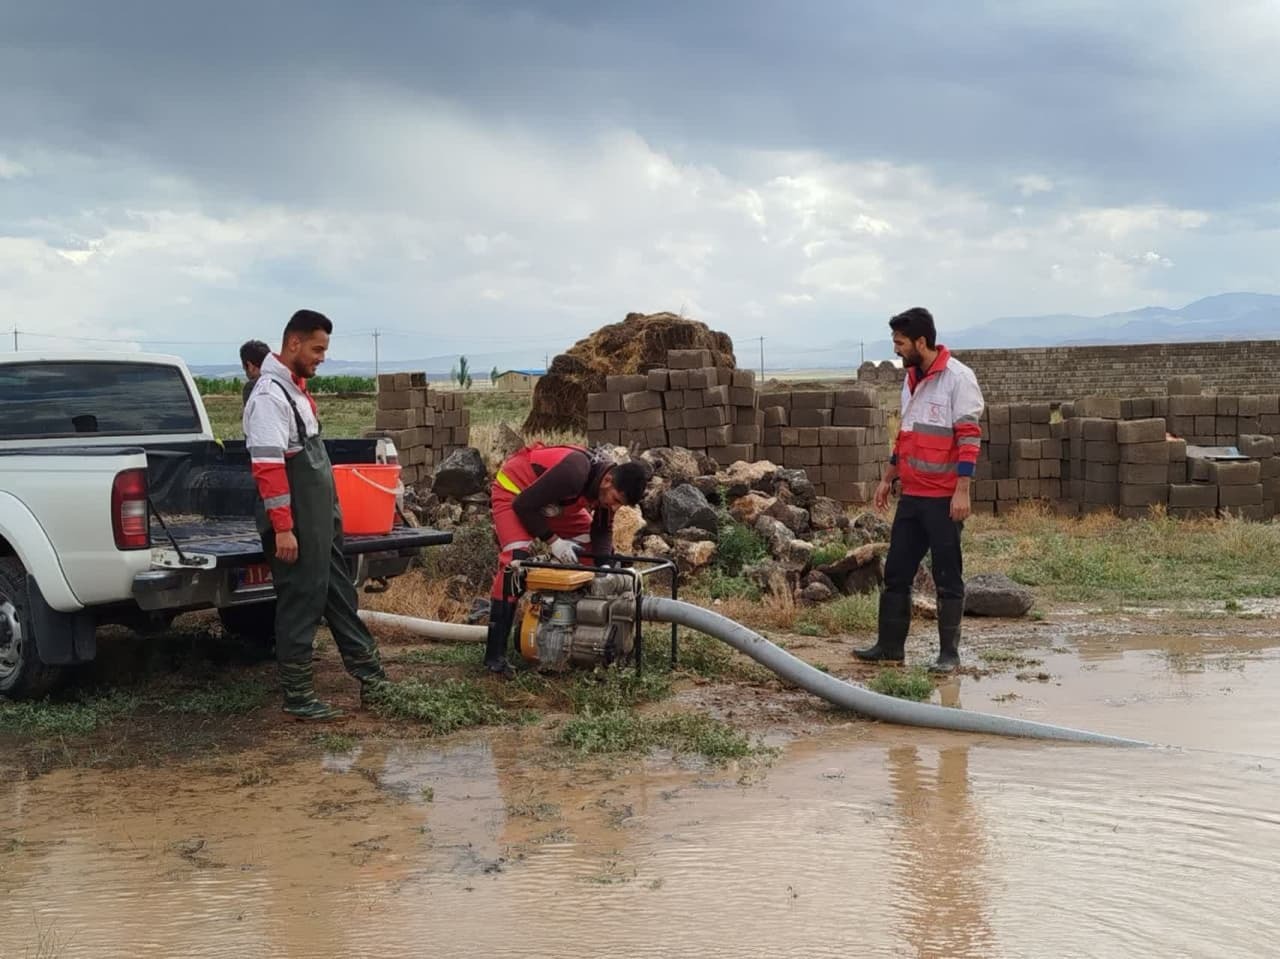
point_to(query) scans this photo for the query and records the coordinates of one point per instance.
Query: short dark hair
(915, 323)
(630, 479)
(254, 351)
(306, 322)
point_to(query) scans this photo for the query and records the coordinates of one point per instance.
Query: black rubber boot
(894, 623)
(950, 614)
(501, 615)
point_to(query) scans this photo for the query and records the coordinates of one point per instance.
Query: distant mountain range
(1239, 316)
(1235, 316)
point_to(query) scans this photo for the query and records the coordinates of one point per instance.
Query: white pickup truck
(118, 506)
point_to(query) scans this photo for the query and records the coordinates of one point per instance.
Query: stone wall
(1063, 372)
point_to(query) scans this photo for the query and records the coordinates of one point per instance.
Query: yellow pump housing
(573, 617)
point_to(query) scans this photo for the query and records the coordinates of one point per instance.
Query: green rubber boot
(300, 699)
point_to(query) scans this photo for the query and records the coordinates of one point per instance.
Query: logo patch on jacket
(936, 414)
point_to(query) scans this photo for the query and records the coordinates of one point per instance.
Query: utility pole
(762, 359)
(376, 333)
(862, 351)
(15, 339)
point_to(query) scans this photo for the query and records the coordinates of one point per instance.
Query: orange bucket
(367, 497)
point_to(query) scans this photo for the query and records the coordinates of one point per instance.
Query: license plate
(253, 577)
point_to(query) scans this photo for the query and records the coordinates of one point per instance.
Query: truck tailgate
(229, 542)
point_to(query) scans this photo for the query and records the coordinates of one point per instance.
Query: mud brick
(677, 437)
(829, 436)
(1050, 469)
(716, 396)
(1039, 413)
(688, 359)
(1269, 404)
(1271, 488)
(1099, 407)
(1205, 426)
(1051, 488)
(1094, 429)
(808, 435)
(771, 436)
(655, 437)
(1126, 409)
(700, 379)
(856, 397)
(811, 417)
(677, 379)
(812, 400)
(639, 402)
(1192, 495)
(394, 400)
(1177, 450)
(1270, 468)
(845, 455)
(998, 452)
(696, 438)
(1256, 447)
(1144, 494)
(772, 454)
(1145, 453)
(1193, 405)
(1242, 495)
(1182, 425)
(451, 420)
(659, 381)
(745, 434)
(1177, 472)
(732, 453)
(857, 436)
(1144, 474)
(1227, 426)
(400, 382)
(744, 396)
(692, 399)
(1100, 494)
(401, 419)
(626, 383)
(1026, 450)
(1160, 407)
(386, 382)
(646, 420)
(1228, 406)
(1020, 431)
(1186, 385)
(700, 418)
(597, 437)
(1198, 470)
(999, 433)
(802, 456)
(1140, 431)
(997, 414)
(724, 376)
(855, 416)
(745, 416)
(861, 472)
(790, 436)
(743, 379)
(603, 402)
(1052, 449)
(1007, 489)
(1040, 431)
(1102, 452)
(1143, 407)
(673, 399)
(776, 398)
(984, 489)
(1029, 489)
(1236, 473)
(1025, 469)
(1269, 423)
(1058, 430)
(595, 421)
(1019, 413)
(615, 420)
(1248, 405)
(775, 416)
(1248, 424)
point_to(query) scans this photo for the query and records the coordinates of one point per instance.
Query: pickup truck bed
(235, 542)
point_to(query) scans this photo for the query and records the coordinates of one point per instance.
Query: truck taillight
(130, 519)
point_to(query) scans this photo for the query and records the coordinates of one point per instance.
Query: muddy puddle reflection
(863, 840)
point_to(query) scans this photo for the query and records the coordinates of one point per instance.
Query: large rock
(692, 557)
(861, 570)
(675, 464)
(461, 474)
(747, 509)
(826, 513)
(818, 593)
(799, 552)
(794, 486)
(776, 536)
(780, 579)
(743, 477)
(684, 506)
(815, 576)
(868, 528)
(994, 594)
(792, 517)
(627, 524)
(651, 504)
(655, 546)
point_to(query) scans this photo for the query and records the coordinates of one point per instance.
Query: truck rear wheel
(22, 675)
(255, 623)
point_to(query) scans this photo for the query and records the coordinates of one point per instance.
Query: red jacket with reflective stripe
(552, 480)
(940, 435)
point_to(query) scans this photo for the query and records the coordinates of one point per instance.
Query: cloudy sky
(474, 177)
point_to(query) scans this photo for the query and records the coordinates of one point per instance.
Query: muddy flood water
(857, 840)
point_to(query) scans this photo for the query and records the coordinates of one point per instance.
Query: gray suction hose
(887, 709)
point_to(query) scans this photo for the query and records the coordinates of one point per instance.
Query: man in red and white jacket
(934, 459)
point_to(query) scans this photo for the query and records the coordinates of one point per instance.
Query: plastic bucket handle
(389, 490)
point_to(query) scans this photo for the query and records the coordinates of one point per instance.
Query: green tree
(462, 373)
(493, 375)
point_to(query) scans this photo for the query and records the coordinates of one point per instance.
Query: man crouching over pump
(564, 496)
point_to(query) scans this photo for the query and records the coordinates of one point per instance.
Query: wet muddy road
(857, 840)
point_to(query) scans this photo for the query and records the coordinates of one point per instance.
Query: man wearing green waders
(300, 522)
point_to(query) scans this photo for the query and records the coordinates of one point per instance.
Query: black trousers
(923, 524)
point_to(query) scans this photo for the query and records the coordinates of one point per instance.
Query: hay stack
(636, 345)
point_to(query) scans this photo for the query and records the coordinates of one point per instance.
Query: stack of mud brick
(693, 404)
(1021, 456)
(838, 437)
(425, 425)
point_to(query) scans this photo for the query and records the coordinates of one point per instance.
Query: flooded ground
(858, 839)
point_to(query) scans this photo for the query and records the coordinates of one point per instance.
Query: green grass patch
(606, 690)
(712, 659)
(912, 683)
(620, 731)
(495, 406)
(441, 707)
(337, 742)
(47, 718)
(717, 584)
(737, 546)
(849, 614)
(1006, 657)
(828, 553)
(462, 654)
(243, 696)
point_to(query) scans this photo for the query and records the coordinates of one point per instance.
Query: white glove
(564, 551)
